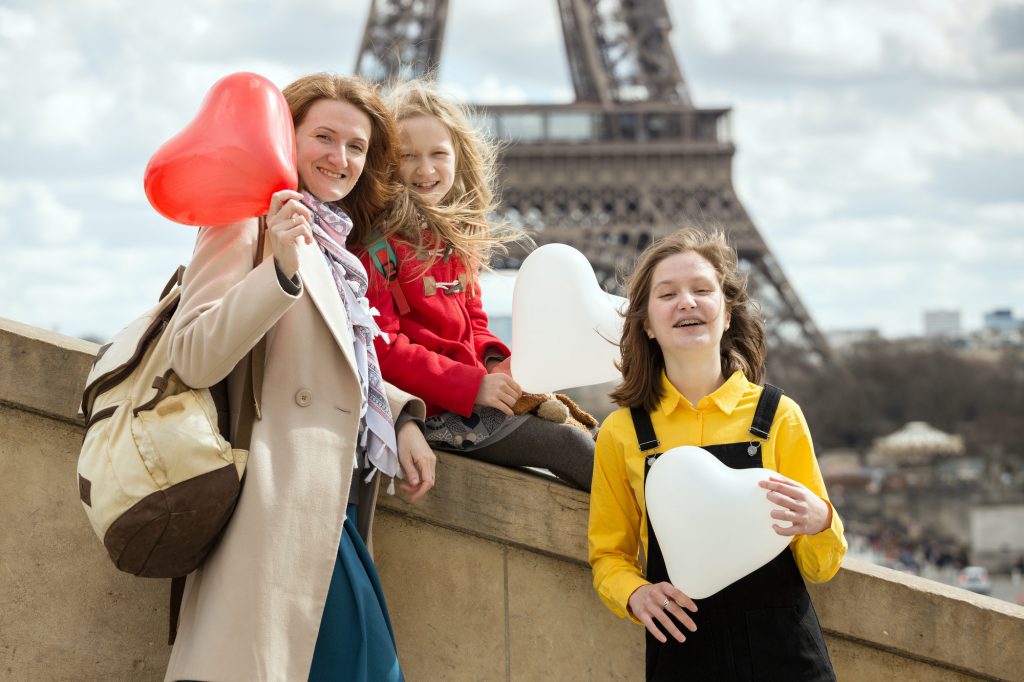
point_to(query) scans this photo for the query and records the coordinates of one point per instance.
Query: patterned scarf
(331, 226)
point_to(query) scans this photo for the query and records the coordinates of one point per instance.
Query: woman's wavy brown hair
(743, 343)
(379, 192)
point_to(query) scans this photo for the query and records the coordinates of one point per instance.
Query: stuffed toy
(555, 407)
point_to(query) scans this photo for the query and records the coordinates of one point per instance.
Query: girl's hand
(657, 601)
(287, 223)
(499, 391)
(418, 461)
(808, 513)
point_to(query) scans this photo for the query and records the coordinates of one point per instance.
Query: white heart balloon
(713, 523)
(565, 328)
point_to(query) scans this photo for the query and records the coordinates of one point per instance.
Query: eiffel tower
(631, 160)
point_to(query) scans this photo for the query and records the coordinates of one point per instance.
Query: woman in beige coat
(325, 432)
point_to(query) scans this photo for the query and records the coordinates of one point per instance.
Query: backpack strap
(174, 281)
(764, 415)
(386, 263)
(177, 592)
(258, 356)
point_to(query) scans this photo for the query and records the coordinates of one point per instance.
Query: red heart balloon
(225, 164)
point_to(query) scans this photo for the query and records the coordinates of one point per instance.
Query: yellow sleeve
(817, 556)
(614, 532)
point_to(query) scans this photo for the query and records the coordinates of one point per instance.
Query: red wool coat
(437, 350)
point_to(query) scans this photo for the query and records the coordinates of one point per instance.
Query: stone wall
(486, 577)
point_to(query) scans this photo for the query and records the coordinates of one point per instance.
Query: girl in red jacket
(424, 283)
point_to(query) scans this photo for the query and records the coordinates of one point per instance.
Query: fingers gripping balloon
(713, 523)
(236, 152)
(565, 329)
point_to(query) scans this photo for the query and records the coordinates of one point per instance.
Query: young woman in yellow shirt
(693, 350)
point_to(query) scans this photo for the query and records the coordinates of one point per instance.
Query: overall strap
(386, 263)
(764, 415)
(644, 429)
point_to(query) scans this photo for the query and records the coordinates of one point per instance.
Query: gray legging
(566, 451)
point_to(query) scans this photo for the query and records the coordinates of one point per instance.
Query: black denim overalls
(763, 626)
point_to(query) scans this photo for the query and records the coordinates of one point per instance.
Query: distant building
(942, 324)
(1002, 320)
(845, 339)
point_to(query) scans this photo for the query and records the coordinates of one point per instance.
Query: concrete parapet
(486, 578)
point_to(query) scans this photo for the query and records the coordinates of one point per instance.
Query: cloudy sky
(880, 143)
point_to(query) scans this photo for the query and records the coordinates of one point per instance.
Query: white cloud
(864, 130)
(973, 122)
(16, 26)
(840, 39)
(491, 90)
(32, 213)
(1009, 213)
(855, 273)
(86, 286)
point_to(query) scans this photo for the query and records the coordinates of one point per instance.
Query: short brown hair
(743, 343)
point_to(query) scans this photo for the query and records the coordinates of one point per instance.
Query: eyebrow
(696, 279)
(335, 132)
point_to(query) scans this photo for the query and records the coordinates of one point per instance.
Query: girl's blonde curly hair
(462, 217)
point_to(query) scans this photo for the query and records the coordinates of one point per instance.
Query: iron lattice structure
(631, 160)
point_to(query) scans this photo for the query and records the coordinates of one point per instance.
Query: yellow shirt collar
(726, 396)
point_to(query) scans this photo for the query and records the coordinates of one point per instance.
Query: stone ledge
(923, 620)
(43, 371)
(503, 505)
(871, 606)
(947, 630)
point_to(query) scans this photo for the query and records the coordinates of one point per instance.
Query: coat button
(303, 397)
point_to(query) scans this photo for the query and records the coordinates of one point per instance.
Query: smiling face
(686, 308)
(427, 157)
(330, 148)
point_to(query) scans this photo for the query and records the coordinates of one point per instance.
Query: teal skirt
(356, 641)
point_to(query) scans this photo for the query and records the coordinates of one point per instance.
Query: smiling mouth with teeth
(330, 173)
(425, 185)
(687, 323)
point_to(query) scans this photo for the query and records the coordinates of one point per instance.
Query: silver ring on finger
(664, 604)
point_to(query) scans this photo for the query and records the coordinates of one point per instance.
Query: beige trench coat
(252, 611)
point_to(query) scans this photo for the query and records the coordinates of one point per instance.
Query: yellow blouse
(618, 514)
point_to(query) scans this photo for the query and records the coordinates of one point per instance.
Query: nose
(338, 157)
(687, 300)
(424, 167)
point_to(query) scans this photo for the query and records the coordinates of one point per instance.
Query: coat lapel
(319, 283)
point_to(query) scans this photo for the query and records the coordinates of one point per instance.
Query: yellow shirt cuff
(619, 593)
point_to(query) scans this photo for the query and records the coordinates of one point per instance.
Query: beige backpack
(156, 475)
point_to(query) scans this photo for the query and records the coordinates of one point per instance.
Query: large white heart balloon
(565, 329)
(713, 523)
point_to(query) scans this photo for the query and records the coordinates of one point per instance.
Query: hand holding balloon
(808, 513)
(650, 602)
(288, 223)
